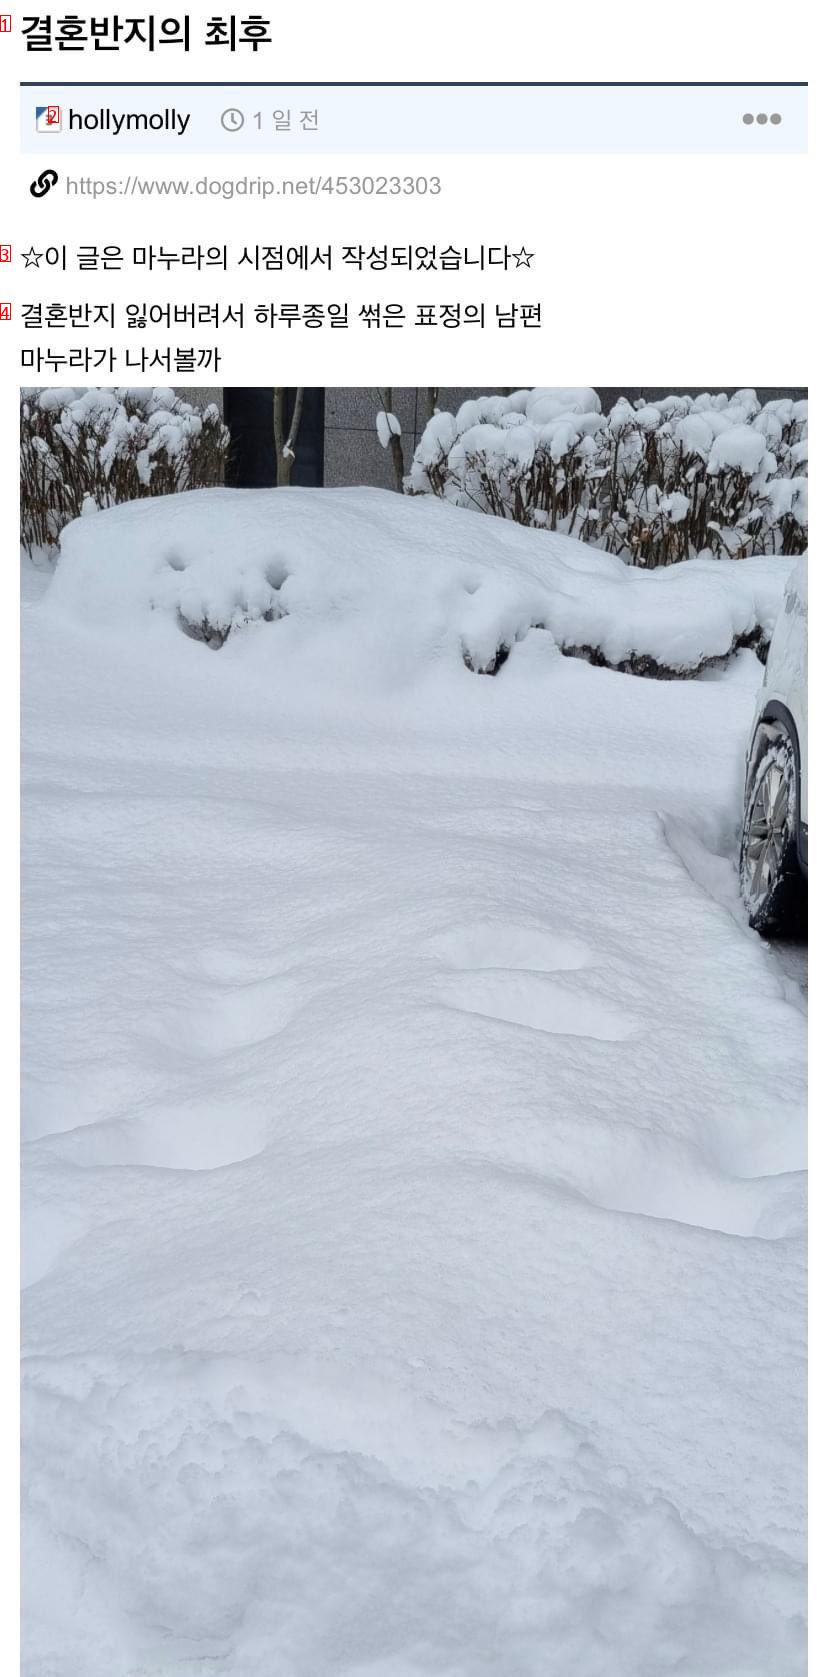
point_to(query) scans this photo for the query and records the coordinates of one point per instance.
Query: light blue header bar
(235, 119)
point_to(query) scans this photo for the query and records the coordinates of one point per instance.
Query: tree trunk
(285, 446)
(278, 427)
(394, 444)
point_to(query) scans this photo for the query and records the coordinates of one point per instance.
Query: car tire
(773, 889)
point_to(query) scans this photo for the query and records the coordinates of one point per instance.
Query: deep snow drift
(414, 1162)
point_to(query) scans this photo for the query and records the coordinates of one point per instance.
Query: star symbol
(32, 257)
(523, 257)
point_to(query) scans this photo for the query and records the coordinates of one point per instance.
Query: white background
(658, 270)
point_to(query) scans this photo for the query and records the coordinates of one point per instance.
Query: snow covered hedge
(391, 590)
(79, 447)
(653, 483)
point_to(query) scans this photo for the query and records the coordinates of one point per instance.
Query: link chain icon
(44, 183)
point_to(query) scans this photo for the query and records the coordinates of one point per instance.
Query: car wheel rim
(767, 830)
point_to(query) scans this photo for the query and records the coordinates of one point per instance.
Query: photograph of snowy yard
(414, 1124)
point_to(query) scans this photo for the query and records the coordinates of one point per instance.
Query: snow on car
(773, 860)
(414, 1165)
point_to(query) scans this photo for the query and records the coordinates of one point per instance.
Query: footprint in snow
(226, 965)
(169, 1136)
(503, 974)
(522, 998)
(235, 1018)
(526, 948)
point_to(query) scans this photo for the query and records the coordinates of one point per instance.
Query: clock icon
(232, 119)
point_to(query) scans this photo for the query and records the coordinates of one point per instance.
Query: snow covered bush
(81, 449)
(651, 482)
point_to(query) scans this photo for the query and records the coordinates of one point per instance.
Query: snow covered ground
(414, 1129)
